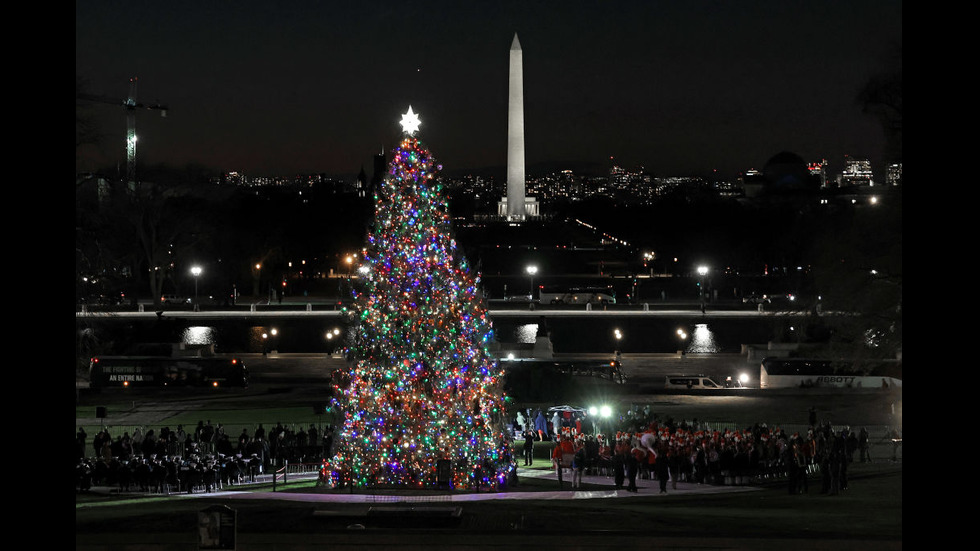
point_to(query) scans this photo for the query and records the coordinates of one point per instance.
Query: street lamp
(331, 334)
(702, 271)
(648, 258)
(195, 271)
(682, 341)
(531, 270)
(267, 340)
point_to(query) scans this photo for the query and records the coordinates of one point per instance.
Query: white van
(691, 382)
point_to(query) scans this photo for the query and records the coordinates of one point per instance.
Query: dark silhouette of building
(361, 185)
(380, 167)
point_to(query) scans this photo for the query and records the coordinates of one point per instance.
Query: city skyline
(286, 88)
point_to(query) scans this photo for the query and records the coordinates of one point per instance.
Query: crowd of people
(208, 458)
(672, 452)
(205, 458)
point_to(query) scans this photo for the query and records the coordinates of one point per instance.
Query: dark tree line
(142, 239)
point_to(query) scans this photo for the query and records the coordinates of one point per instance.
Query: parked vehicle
(756, 299)
(577, 295)
(840, 373)
(691, 382)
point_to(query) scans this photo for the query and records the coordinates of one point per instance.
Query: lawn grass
(288, 416)
(233, 410)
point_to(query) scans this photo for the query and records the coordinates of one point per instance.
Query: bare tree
(881, 97)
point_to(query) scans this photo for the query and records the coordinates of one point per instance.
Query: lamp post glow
(330, 336)
(267, 338)
(648, 258)
(531, 270)
(195, 271)
(702, 271)
(600, 416)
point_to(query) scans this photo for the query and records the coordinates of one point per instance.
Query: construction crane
(131, 105)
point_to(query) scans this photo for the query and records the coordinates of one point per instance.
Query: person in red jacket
(637, 456)
(650, 465)
(563, 447)
(605, 456)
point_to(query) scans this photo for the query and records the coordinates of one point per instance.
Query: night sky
(681, 87)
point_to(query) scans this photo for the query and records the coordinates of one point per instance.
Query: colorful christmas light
(422, 385)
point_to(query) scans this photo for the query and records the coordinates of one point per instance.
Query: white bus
(806, 373)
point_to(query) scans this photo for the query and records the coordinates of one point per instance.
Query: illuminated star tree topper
(410, 122)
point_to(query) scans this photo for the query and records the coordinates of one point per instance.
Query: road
(304, 379)
(308, 373)
(496, 308)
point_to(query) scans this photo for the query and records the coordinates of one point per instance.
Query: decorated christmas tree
(422, 398)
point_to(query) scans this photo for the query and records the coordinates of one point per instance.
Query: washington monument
(515, 206)
(515, 135)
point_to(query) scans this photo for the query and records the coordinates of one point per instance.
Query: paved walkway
(597, 487)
